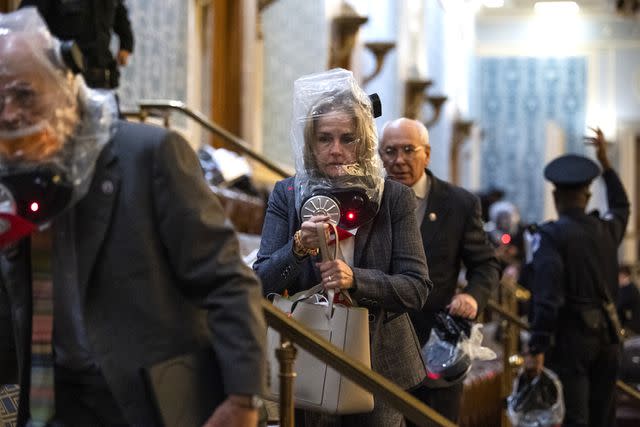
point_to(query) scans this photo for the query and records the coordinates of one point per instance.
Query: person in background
(452, 235)
(144, 265)
(91, 23)
(382, 264)
(628, 303)
(574, 284)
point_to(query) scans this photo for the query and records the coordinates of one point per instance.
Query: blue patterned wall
(158, 66)
(516, 98)
(295, 44)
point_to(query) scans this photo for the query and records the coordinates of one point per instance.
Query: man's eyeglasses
(408, 151)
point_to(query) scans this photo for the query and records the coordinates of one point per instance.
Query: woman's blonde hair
(360, 110)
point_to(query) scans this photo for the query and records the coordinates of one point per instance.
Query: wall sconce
(344, 29)
(461, 131)
(261, 6)
(436, 103)
(627, 7)
(379, 50)
(414, 97)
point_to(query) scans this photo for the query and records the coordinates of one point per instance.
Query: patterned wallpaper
(295, 44)
(158, 66)
(516, 98)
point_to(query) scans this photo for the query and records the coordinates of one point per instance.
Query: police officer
(574, 269)
(90, 23)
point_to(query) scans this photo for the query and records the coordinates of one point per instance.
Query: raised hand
(600, 144)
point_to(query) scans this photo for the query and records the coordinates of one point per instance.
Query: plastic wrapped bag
(536, 402)
(453, 344)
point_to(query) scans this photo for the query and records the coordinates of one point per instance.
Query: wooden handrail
(357, 372)
(512, 318)
(147, 106)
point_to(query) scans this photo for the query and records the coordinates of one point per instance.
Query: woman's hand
(309, 234)
(335, 274)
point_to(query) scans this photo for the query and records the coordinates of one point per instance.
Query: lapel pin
(107, 187)
(432, 216)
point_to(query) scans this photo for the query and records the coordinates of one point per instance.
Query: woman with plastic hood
(381, 263)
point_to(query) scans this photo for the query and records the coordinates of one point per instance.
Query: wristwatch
(248, 401)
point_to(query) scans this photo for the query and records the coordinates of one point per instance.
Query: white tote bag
(317, 386)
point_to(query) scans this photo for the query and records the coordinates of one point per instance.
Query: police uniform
(90, 23)
(574, 259)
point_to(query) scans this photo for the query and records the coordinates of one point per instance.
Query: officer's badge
(531, 245)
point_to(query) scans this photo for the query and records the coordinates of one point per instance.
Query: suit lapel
(361, 239)
(93, 212)
(435, 214)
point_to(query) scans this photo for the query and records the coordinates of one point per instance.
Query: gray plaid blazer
(390, 272)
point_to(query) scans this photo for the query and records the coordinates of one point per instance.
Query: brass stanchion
(286, 355)
(510, 336)
(505, 387)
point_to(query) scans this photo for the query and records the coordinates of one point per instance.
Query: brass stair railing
(163, 107)
(381, 387)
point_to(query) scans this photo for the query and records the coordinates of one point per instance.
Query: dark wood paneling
(226, 81)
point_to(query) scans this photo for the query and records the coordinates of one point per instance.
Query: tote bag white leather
(317, 386)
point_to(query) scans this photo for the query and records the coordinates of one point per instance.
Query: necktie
(41, 392)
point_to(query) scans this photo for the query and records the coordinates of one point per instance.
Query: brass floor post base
(286, 355)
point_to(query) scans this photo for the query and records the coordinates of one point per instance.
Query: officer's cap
(571, 170)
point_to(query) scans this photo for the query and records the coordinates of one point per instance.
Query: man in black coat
(91, 23)
(144, 265)
(574, 288)
(452, 234)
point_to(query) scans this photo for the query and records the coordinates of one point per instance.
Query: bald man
(452, 233)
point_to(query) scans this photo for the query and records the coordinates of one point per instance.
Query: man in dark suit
(145, 266)
(452, 233)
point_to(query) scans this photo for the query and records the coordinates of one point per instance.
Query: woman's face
(335, 143)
